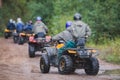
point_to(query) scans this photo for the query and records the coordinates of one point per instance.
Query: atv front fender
(51, 51)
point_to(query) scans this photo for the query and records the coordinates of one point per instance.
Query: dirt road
(15, 64)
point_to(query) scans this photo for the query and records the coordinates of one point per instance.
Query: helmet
(11, 20)
(30, 22)
(18, 19)
(68, 24)
(77, 16)
(38, 18)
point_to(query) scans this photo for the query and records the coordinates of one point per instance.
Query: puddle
(116, 71)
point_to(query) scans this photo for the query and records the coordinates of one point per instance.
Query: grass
(109, 51)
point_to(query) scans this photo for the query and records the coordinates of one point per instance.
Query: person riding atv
(19, 29)
(23, 36)
(28, 27)
(39, 26)
(38, 40)
(26, 33)
(70, 53)
(37, 43)
(78, 29)
(8, 32)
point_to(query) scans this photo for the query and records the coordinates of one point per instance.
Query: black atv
(71, 59)
(36, 43)
(15, 37)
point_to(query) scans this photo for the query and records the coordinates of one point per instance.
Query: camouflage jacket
(65, 35)
(40, 27)
(79, 29)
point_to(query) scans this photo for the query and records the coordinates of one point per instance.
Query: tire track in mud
(15, 64)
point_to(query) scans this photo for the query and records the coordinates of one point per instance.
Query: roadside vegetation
(103, 17)
(108, 51)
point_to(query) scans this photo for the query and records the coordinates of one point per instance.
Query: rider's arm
(88, 31)
(33, 28)
(45, 27)
(58, 36)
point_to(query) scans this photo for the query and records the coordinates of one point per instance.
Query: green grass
(109, 51)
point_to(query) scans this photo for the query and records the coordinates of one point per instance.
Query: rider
(19, 25)
(11, 25)
(14, 23)
(77, 30)
(28, 27)
(39, 28)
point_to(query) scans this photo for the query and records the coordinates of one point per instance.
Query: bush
(109, 51)
(114, 53)
(113, 58)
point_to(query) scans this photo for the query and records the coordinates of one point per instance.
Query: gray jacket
(79, 29)
(40, 27)
(66, 35)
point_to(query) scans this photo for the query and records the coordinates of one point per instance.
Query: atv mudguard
(6, 30)
(51, 51)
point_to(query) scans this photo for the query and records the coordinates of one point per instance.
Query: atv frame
(36, 44)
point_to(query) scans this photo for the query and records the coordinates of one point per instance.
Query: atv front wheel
(31, 51)
(15, 39)
(65, 65)
(44, 64)
(73, 70)
(21, 40)
(92, 66)
(6, 35)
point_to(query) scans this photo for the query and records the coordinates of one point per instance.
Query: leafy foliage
(103, 16)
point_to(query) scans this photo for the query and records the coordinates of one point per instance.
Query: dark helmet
(68, 24)
(77, 16)
(38, 18)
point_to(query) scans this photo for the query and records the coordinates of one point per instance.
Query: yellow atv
(8, 33)
(23, 37)
(68, 59)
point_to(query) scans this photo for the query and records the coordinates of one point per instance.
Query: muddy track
(15, 64)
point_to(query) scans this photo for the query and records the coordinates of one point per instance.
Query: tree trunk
(0, 3)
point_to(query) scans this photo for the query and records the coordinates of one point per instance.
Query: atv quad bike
(24, 37)
(8, 33)
(15, 37)
(37, 44)
(67, 60)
